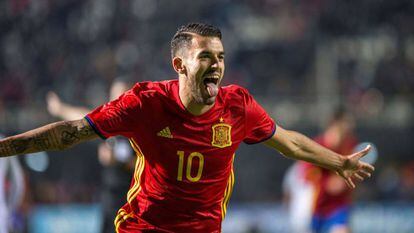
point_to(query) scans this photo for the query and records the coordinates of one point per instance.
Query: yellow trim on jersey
(139, 168)
(122, 215)
(227, 193)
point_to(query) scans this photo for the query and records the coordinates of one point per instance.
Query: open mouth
(212, 80)
(210, 83)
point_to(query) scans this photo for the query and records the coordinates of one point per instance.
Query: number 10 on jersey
(188, 163)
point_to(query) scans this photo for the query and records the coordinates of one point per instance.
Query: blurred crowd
(77, 48)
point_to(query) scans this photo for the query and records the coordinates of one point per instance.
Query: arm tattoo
(74, 135)
(68, 137)
(20, 145)
(42, 143)
(56, 136)
(87, 131)
(5, 149)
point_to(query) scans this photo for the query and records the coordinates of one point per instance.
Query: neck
(189, 103)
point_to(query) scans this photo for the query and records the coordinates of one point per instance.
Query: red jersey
(326, 201)
(184, 172)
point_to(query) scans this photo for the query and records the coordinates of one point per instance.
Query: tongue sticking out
(212, 89)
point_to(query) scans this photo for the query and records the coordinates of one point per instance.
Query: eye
(204, 56)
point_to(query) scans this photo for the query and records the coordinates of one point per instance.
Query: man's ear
(178, 65)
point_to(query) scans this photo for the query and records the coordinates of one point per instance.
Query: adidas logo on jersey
(166, 133)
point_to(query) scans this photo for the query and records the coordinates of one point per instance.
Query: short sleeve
(259, 125)
(117, 117)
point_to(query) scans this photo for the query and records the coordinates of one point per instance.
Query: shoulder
(151, 89)
(234, 92)
(144, 93)
(151, 86)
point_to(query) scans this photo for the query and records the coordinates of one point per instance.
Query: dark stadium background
(299, 58)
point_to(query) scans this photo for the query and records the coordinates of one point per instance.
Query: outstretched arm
(56, 136)
(297, 146)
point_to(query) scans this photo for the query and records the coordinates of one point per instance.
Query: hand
(53, 103)
(353, 168)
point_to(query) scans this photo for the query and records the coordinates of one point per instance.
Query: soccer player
(185, 133)
(333, 198)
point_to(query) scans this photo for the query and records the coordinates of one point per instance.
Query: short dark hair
(183, 37)
(340, 113)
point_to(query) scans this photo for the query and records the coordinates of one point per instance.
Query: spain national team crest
(221, 135)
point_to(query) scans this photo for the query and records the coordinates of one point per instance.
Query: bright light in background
(372, 155)
(38, 162)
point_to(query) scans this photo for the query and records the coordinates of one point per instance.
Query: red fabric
(163, 201)
(325, 202)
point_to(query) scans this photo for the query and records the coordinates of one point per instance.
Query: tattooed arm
(56, 136)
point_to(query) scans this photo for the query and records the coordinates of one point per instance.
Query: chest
(206, 145)
(220, 131)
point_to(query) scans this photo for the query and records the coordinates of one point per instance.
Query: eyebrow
(206, 52)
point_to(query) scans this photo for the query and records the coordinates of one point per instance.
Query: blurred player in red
(185, 133)
(332, 196)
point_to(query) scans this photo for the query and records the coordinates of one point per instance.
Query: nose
(215, 62)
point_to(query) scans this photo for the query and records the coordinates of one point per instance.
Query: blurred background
(299, 59)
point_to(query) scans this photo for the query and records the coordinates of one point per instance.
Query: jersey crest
(221, 135)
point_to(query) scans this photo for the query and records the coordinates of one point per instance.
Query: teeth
(211, 78)
(212, 75)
